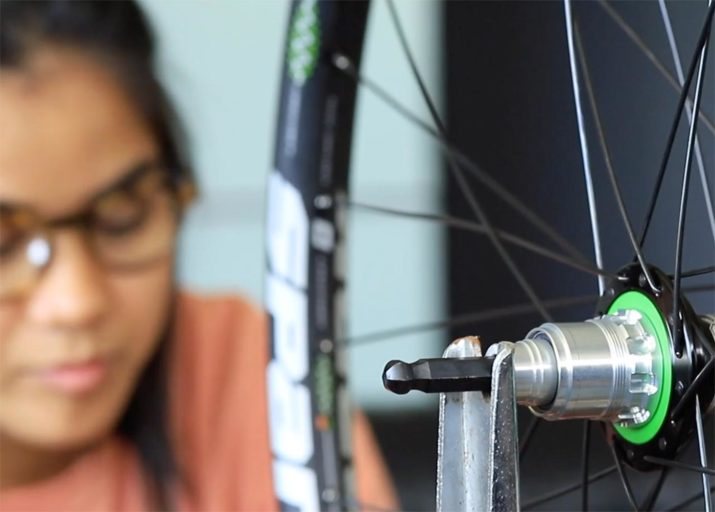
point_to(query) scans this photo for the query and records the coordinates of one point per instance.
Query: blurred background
(500, 74)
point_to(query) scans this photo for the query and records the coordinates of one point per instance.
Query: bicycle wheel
(308, 198)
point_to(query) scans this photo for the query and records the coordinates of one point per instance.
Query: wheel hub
(620, 368)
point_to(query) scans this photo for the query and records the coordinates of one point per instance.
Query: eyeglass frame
(180, 186)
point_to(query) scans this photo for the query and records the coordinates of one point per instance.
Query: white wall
(221, 61)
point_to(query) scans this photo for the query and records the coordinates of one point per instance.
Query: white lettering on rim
(286, 298)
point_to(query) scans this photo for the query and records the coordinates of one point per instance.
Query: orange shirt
(219, 426)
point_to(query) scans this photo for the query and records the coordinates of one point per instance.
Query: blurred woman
(117, 392)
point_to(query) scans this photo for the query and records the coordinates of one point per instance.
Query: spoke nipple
(329, 495)
(323, 202)
(326, 346)
(341, 62)
(679, 387)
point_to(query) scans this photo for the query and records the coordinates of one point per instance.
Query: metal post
(478, 463)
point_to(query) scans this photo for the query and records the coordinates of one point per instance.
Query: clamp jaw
(478, 459)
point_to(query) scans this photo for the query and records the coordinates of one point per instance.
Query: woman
(116, 391)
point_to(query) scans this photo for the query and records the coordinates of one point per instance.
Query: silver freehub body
(606, 368)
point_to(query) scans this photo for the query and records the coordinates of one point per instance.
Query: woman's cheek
(10, 313)
(142, 310)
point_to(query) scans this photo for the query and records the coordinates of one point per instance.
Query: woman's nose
(72, 292)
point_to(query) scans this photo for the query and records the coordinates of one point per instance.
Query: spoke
(699, 380)
(460, 177)
(689, 111)
(699, 289)
(569, 488)
(703, 454)
(677, 334)
(655, 491)
(468, 318)
(674, 128)
(698, 271)
(635, 38)
(585, 452)
(584, 145)
(476, 227)
(525, 440)
(624, 479)
(681, 506)
(607, 159)
(345, 65)
(679, 465)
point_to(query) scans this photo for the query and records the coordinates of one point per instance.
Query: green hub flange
(654, 323)
(665, 432)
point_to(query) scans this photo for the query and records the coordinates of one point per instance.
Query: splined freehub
(608, 368)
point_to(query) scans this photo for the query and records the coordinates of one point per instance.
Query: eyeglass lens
(126, 228)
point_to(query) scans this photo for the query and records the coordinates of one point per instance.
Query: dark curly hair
(118, 35)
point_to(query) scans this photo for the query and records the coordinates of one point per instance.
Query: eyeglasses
(127, 227)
